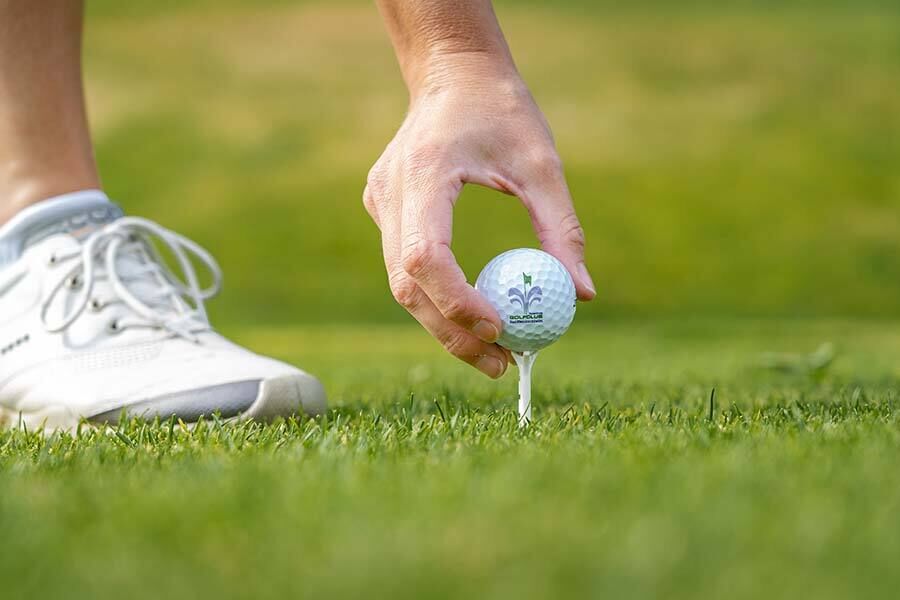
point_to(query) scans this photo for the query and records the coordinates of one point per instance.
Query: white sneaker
(94, 325)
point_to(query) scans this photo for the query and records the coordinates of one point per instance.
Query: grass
(732, 160)
(726, 158)
(419, 483)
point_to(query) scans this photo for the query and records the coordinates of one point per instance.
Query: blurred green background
(727, 158)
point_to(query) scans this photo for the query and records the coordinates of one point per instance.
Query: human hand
(467, 127)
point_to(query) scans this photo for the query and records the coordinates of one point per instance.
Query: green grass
(419, 483)
(736, 160)
(726, 158)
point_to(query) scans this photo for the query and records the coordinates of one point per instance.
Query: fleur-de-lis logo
(526, 296)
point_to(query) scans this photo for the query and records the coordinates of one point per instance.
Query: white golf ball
(534, 295)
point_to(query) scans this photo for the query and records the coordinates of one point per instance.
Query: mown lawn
(731, 160)
(419, 483)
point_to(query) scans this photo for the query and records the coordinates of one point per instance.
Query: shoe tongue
(76, 214)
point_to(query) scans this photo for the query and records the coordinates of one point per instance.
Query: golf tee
(524, 360)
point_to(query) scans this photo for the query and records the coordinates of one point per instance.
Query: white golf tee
(524, 360)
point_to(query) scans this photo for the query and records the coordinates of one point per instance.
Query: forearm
(437, 41)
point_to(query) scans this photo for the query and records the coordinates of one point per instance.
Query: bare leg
(45, 146)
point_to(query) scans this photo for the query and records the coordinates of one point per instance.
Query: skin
(45, 147)
(471, 119)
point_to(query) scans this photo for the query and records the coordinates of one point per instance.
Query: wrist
(443, 69)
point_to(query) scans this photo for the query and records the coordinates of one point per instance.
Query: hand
(467, 129)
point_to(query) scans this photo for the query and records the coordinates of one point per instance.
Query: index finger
(427, 225)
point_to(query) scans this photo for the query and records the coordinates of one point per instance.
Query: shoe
(94, 325)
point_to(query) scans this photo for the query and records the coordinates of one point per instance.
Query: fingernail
(586, 278)
(490, 366)
(486, 331)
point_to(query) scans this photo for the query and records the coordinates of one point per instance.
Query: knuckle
(456, 342)
(418, 257)
(457, 309)
(572, 232)
(376, 186)
(369, 202)
(405, 292)
(422, 157)
(546, 163)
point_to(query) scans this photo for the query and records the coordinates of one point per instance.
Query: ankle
(17, 197)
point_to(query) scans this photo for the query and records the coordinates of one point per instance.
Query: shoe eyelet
(95, 305)
(52, 260)
(73, 282)
(114, 327)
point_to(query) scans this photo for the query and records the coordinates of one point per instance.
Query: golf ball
(534, 295)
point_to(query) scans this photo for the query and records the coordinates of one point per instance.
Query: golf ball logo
(525, 297)
(533, 295)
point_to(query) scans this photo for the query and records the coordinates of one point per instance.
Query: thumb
(557, 226)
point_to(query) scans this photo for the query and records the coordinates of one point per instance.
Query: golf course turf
(420, 484)
(722, 422)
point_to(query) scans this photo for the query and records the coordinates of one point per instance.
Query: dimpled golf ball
(534, 295)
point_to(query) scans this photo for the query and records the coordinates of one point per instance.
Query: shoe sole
(277, 397)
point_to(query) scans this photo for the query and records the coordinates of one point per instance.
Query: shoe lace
(172, 303)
